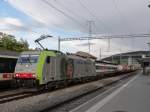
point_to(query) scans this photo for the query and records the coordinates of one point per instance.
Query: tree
(23, 44)
(8, 42)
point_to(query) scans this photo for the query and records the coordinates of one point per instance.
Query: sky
(28, 19)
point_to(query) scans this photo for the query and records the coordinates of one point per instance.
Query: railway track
(62, 105)
(13, 97)
(17, 94)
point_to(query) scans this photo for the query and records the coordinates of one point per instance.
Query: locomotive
(47, 68)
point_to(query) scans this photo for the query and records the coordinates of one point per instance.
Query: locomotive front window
(28, 59)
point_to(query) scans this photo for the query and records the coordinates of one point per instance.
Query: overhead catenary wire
(108, 37)
(90, 22)
(76, 15)
(73, 13)
(64, 13)
(124, 20)
(98, 19)
(93, 15)
(69, 10)
(39, 17)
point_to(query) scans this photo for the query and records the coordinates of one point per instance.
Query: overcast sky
(29, 19)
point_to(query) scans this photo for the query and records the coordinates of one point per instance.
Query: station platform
(133, 96)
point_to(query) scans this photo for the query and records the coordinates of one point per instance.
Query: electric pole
(100, 54)
(59, 43)
(108, 44)
(90, 23)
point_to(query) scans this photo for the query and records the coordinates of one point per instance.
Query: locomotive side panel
(90, 68)
(79, 69)
(82, 67)
(60, 66)
(48, 70)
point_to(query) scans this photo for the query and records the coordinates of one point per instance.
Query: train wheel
(13, 84)
(65, 84)
(40, 88)
(51, 86)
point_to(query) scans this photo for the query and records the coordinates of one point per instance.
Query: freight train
(48, 69)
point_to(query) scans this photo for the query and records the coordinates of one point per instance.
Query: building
(128, 58)
(146, 65)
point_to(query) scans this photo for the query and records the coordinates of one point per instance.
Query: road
(133, 96)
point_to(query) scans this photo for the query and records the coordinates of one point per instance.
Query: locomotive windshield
(28, 59)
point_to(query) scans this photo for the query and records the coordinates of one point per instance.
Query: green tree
(9, 42)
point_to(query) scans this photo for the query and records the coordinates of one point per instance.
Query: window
(28, 59)
(7, 65)
(48, 59)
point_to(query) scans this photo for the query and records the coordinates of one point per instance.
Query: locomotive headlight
(16, 75)
(34, 75)
(26, 66)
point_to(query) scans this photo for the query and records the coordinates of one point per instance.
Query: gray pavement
(134, 96)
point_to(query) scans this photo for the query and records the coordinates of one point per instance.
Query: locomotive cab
(25, 71)
(37, 68)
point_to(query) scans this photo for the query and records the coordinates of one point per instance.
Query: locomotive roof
(31, 52)
(76, 57)
(39, 51)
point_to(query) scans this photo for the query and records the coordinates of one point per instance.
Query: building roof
(85, 55)
(9, 54)
(135, 53)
